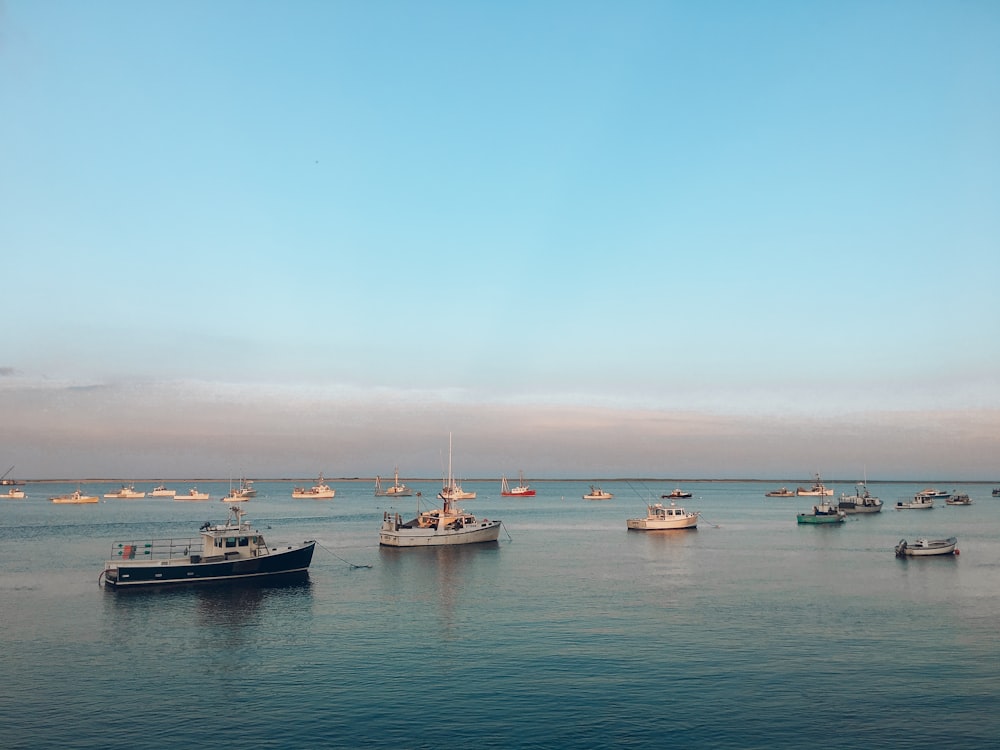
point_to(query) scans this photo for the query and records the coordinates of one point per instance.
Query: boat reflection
(448, 576)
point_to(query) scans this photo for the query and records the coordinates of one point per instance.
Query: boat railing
(155, 549)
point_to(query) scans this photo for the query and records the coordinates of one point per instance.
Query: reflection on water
(441, 575)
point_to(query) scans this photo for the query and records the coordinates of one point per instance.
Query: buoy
(957, 552)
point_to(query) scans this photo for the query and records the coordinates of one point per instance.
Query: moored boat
(319, 491)
(861, 501)
(395, 490)
(444, 526)
(822, 512)
(522, 490)
(817, 490)
(917, 502)
(127, 492)
(74, 498)
(782, 492)
(677, 494)
(162, 491)
(596, 493)
(13, 494)
(437, 528)
(244, 491)
(934, 493)
(191, 494)
(927, 547)
(452, 490)
(661, 518)
(227, 552)
(959, 498)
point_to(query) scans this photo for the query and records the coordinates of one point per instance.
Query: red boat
(522, 490)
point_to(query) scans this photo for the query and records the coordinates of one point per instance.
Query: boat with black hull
(227, 552)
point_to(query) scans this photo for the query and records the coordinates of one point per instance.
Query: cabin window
(230, 541)
(218, 542)
(244, 541)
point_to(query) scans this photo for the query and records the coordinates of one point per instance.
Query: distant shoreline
(584, 480)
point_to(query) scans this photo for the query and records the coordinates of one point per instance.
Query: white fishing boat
(917, 502)
(395, 490)
(74, 498)
(596, 493)
(191, 495)
(959, 499)
(452, 490)
(127, 492)
(934, 493)
(660, 517)
(927, 547)
(817, 490)
(319, 491)
(860, 502)
(244, 491)
(13, 494)
(161, 491)
(448, 525)
(522, 490)
(781, 492)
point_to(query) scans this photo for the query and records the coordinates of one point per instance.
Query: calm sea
(749, 632)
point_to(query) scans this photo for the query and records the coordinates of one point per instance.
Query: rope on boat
(353, 566)
(509, 537)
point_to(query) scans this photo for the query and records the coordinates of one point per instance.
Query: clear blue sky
(589, 238)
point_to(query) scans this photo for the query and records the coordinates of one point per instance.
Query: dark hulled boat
(230, 551)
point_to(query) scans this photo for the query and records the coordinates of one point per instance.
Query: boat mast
(451, 481)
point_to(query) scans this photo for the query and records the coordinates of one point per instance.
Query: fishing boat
(660, 517)
(452, 490)
(396, 490)
(192, 494)
(677, 494)
(917, 502)
(934, 493)
(522, 490)
(996, 492)
(227, 552)
(959, 499)
(161, 491)
(782, 492)
(823, 512)
(817, 490)
(318, 491)
(244, 491)
(927, 547)
(74, 498)
(13, 494)
(447, 525)
(596, 493)
(127, 492)
(861, 501)
(4, 481)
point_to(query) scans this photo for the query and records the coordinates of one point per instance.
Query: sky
(587, 239)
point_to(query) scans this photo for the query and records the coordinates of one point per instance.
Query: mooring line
(353, 566)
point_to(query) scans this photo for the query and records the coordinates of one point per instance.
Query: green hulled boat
(823, 513)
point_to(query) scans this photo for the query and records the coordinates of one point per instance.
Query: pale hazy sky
(678, 239)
